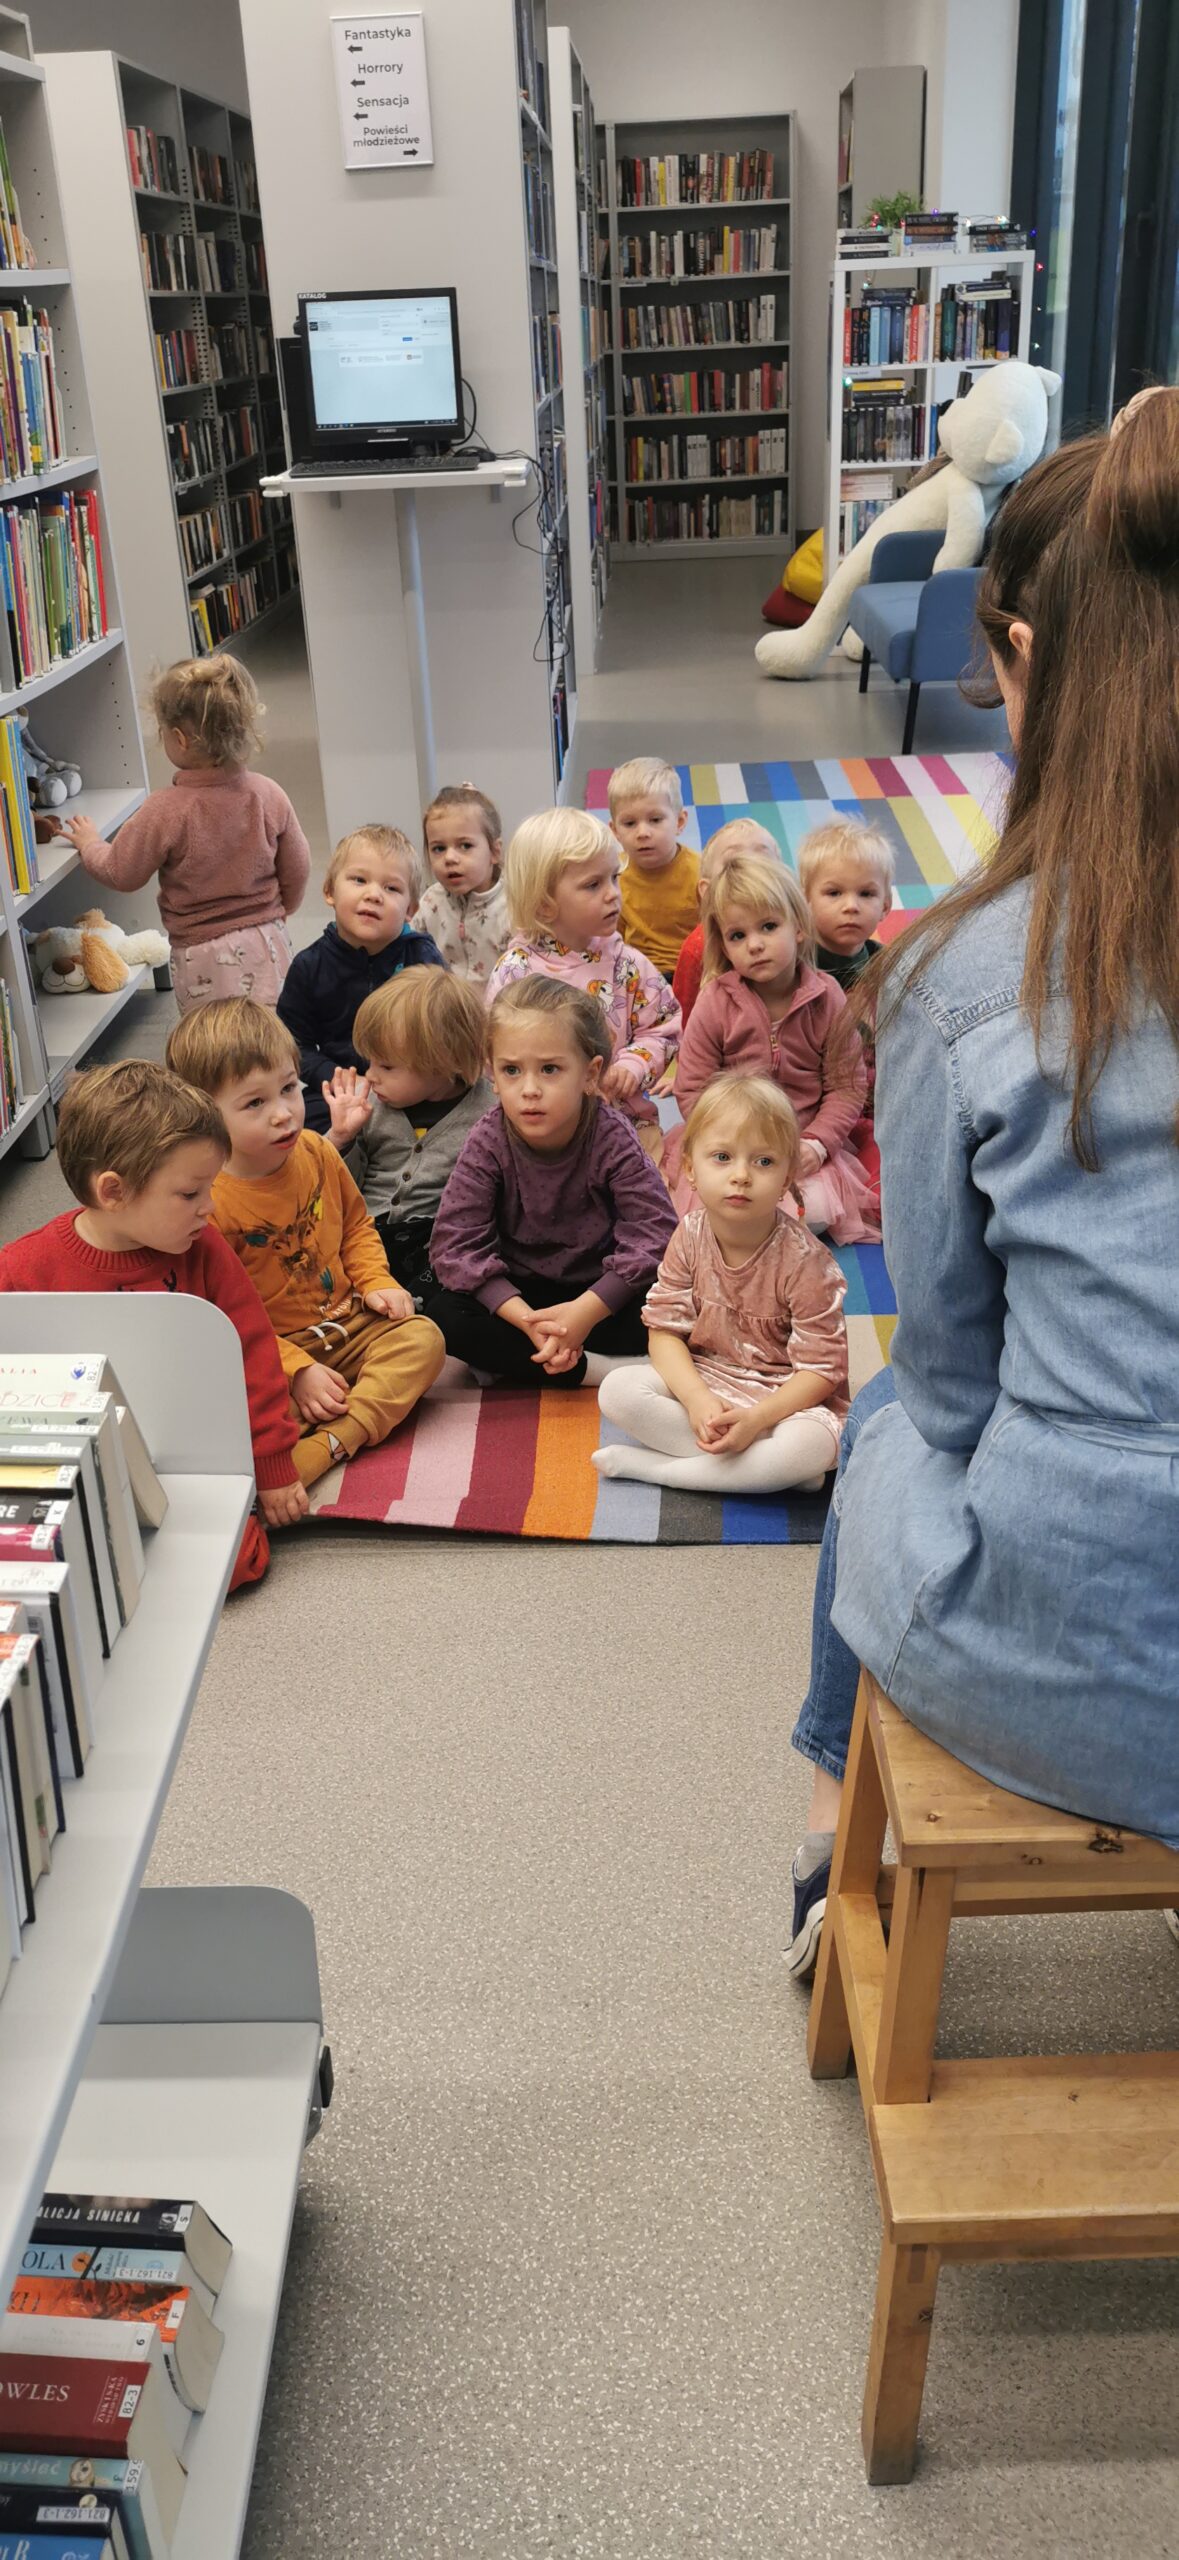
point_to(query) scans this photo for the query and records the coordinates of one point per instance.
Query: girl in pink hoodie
(561, 876)
(764, 1010)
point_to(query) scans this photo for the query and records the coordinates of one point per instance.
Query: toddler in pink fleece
(561, 879)
(232, 858)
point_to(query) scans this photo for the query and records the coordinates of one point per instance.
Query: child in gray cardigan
(403, 1124)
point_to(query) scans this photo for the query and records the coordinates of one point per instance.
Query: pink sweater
(819, 1062)
(750, 1329)
(227, 846)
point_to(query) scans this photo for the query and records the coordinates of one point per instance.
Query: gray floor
(583, 2262)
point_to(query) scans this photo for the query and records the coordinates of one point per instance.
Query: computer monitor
(382, 369)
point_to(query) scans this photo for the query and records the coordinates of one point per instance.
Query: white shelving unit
(164, 2042)
(538, 178)
(638, 372)
(929, 380)
(84, 707)
(181, 537)
(583, 338)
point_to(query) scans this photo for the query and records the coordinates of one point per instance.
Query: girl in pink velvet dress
(765, 1010)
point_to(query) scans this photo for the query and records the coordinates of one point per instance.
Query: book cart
(582, 297)
(172, 280)
(83, 707)
(165, 2041)
(659, 329)
(859, 489)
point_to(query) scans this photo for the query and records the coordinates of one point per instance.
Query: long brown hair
(1086, 550)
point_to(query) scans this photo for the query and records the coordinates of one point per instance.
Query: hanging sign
(382, 88)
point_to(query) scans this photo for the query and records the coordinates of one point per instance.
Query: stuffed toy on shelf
(50, 779)
(992, 435)
(94, 957)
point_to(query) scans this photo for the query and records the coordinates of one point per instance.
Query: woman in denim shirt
(1006, 1517)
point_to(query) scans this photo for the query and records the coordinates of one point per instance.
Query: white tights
(796, 1452)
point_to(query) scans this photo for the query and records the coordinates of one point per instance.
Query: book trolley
(165, 2041)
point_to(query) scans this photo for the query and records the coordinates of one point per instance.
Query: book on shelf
(973, 323)
(193, 451)
(229, 604)
(887, 326)
(61, 2306)
(723, 250)
(12, 1091)
(16, 815)
(210, 176)
(60, 2524)
(863, 240)
(984, 236)
(44, 1471)
(882, 424)
(37, 1530)
(706, 457)
(748, 321)
(930, 231)
(45, 1390)
(216, 259)
(155, 169)
(52, 2344)
(129, 2485)
(696, 177)
(861, 499)
(134, 2262)
(178, 359)
(73, 1671)
(31, 433)
(82, 2406)
(32, 1794)
(704, 519)
(229, 352)
(16, 248)
(168, 259)
(703, 393)
(245, 179)
(19, 1871)
(238, 430)
(204, 538)
(137, 2222)
(52, 583)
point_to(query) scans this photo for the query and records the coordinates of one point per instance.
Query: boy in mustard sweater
(356, 1356)
(661, 878)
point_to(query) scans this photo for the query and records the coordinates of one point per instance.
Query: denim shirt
(1009, 1532)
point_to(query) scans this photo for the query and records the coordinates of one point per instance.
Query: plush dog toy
(94, 957)
(992, 437)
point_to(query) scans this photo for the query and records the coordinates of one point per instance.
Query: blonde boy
(661, 875)
(373, 879)
(846, 870)
(356, 1356)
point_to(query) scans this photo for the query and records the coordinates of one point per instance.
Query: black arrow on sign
(357, 84)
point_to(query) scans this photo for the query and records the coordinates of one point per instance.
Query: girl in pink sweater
(232, 858)
(765, 1011)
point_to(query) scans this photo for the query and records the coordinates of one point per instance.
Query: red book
(73, 2406)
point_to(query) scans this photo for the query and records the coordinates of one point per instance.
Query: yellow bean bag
(803, 575)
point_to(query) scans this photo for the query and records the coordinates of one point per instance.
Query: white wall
(977, 103)
(197, 43)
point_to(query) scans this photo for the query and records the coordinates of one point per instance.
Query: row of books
(922, 231)
(972, 321)
(227, 605)
(263, 348)
(178, 358)
(539, 215)
(239, 435)
(882, 424)
(751, 321)
(248, 518)
(155, 169)
(696, 177)
(16, 248)
(256, 274)
(52, 583)
(16, 815)
(108, 2349)
(546, 353)
(193, 450)
(211, 181)
(32, 436)
(245, 179)
(593, 333)
(719, 251)
(230, 352)
(216, 262)
(12, 1087)
(664, 395)
(706, 519)
(531, 70)
(887, 326)
(700, 457)
(204, 538)
(168, 260)
(859, 505)
(76, 1488)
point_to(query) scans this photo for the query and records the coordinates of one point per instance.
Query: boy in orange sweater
(356, 1356)
(661, 875)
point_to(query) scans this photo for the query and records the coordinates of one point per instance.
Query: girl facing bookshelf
(231, 857)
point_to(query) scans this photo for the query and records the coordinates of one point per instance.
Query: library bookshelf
(701, 407)
(897, 402)
(538, 183)
(180, 352)
(162, 2041)
(582, 300)
(82, 707)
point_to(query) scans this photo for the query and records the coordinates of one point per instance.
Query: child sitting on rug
(371, 884)
(746, 1386)
(356, 1356)
(661, 875)
(764, 1010)
(738, 835)
(141, 1152)
(401, 1126)
(847, 872)
(561, 876)
(553, 1221)
(464, 909)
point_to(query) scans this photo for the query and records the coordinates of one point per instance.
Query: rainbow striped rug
(515, 1462)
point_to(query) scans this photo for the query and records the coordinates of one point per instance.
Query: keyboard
(385, 465)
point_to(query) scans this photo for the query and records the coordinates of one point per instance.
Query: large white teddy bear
(992, 437)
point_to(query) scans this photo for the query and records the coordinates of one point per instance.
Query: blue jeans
(823, 1730)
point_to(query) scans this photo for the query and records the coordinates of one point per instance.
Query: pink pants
(252, 961)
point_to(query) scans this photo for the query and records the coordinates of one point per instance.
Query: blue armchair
(920, 626)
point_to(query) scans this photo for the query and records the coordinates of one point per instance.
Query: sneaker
(810, 1903)
(1172, 1921)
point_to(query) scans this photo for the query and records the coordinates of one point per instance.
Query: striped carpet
(516, 1462)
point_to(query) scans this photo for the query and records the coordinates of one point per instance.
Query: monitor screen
(383, 364)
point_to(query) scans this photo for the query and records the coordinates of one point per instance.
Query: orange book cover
(67, 2298)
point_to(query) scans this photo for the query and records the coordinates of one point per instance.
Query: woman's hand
(319, 1395)
(349, 1105)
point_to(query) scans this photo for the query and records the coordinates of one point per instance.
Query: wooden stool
(1072, 2156)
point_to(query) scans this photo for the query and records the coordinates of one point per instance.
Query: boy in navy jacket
(372, 883)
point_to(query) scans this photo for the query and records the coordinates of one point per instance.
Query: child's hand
(665, 1083)
(84, 836)
(621, 1081)
(349, 1105)
(811, 1158)
(281, 1505)
(319, 1394)
(737, 1431)
(707, 1414)
(393, 1302)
